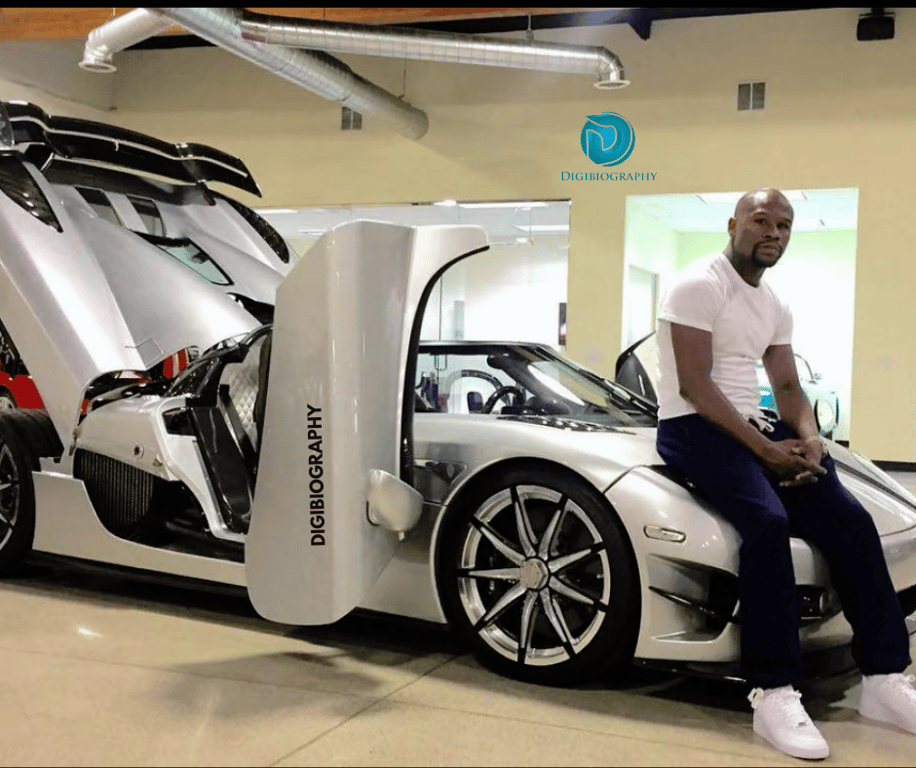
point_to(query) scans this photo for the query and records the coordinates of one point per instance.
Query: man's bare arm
(793, 405)
(794, 408)
(693, 360)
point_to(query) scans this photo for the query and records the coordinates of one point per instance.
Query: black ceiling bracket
(642, 26)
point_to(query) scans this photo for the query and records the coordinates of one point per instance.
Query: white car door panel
(343, 332)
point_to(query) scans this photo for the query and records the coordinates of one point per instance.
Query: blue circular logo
(607, 139)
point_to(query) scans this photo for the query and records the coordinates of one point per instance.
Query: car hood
(892, 506)
(96, 298)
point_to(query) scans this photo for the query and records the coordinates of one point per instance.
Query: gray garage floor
(99, 670)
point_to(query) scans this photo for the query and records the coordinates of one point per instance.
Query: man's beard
(759, 262)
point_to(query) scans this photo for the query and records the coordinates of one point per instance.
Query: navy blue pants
(765, 515)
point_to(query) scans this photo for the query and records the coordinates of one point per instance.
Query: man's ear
(731, 227)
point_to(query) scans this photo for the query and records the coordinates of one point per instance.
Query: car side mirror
(475, 402)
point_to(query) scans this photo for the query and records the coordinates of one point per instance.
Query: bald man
(769, 478)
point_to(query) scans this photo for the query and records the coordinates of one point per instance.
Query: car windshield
(521, 380)
(191, 255)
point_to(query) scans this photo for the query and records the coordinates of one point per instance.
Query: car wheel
(6, 401)
(536, 571)
(24, 437)
(17, 499)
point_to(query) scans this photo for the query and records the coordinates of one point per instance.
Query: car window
(190, 254)
(457, 383)
(519, 380)
(568, 384)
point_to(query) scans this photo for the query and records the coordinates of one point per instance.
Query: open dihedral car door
(337, 442)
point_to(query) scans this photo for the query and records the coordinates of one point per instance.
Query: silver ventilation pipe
(321, 74)
(436, 46)
(116, 35)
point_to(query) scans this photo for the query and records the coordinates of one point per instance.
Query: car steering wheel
(499, 394)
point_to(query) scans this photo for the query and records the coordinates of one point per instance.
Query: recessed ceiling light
(510, 204)
(712, 198)
(544, 228)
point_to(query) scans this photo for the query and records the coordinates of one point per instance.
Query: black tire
(580, 619)
(24, 437)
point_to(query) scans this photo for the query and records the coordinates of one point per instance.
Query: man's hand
(794, 409)
(812, 448)
(794, 462)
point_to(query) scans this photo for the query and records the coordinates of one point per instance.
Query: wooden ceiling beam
(406, 15)
(70, 23)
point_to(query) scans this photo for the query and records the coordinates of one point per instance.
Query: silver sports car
(312, 450)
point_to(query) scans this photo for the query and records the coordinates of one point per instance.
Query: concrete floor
(100, 670)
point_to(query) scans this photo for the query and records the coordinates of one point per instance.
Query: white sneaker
(780, 718)
(890, 699)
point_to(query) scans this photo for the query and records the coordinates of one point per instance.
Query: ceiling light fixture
(715, 198)
(877, 25)
(507, 204)
(542, 228)
(447, 203)
(272, 211)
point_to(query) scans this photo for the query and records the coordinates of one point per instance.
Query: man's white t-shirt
(744, 320)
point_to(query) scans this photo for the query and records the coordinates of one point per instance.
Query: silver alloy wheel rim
(6, 402)
(9, 495)
(534, 575)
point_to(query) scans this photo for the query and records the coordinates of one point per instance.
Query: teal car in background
(823, 398)
(637, 368)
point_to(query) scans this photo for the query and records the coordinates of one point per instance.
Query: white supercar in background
(318, 454)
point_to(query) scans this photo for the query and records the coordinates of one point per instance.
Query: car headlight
(825, 414)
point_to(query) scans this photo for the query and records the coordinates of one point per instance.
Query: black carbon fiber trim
(120, 493)
(74, 138)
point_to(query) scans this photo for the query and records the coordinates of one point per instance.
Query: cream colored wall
(47, 74)
(840, 114)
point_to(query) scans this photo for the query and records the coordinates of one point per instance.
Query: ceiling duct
(317, 72)
(435, 46)
(118, 34)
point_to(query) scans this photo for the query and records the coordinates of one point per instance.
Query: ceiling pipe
(435, 46)
(317, 72)
(116, 35)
